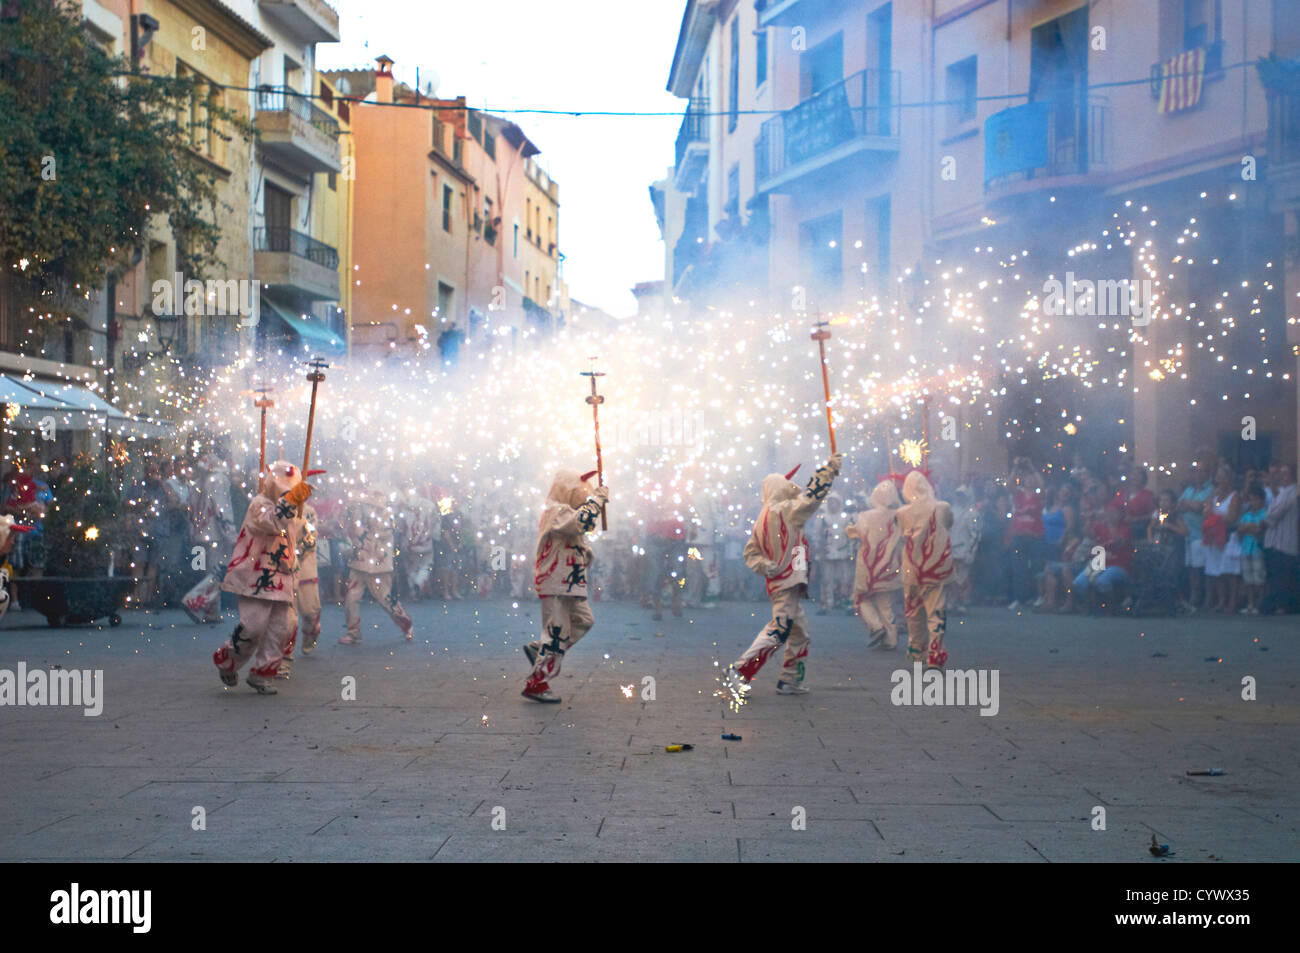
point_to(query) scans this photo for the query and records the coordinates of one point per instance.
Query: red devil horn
(587, 476)
(20, 528)
(312, 473)
(790, 475)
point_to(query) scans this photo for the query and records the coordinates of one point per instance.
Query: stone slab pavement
(438, 758)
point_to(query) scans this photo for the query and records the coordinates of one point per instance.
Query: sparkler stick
(315, 374)
(596, 400)
(821, 336)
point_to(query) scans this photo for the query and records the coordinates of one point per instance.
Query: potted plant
(82, 528)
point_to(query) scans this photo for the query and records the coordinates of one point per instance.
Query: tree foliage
(90, 152)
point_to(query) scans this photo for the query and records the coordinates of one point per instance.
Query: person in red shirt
(1102, 577)
(1026, 530)
(1141, 502)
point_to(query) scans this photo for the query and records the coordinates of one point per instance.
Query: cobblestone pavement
(439, 758)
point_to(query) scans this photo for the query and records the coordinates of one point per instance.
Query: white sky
(563, 54)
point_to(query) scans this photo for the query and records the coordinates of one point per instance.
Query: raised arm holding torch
(596, 400)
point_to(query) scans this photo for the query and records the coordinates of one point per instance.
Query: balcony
(312, 20)
(1056, 143)
(692, 146)
(297, 132)
(1281, 80)
(284, 258)
(856, 117)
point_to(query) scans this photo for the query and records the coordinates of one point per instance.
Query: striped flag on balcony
(1180, 81)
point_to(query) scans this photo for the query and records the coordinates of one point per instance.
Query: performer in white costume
(927, 567)
(369, 524)
(877, 577)
(778, 551)
(262, 574)
(563, 559)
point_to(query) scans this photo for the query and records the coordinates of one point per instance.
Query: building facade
(836, 157)
(455, 227)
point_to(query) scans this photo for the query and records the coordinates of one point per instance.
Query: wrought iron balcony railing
(283, 99)
(1061, 136)
(865, 104)
(695, 125)
(296, 243)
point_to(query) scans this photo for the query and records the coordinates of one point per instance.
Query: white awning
(64, 405)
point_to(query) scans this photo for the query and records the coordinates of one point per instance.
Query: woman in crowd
(1222, 545)
(1060, 539)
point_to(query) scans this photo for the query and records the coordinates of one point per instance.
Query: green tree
(84, 524)
(91, 151)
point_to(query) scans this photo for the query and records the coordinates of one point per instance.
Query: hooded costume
(573, 506)
(834, 552)
(262, 573)
(369, 524)
(212, 528)
(927, 566)
(420, 524)
(876, 575)
(306, 614)
(778, 551)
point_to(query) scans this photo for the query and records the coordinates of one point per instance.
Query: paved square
(438, 751)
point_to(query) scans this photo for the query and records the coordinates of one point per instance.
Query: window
(821, 259)
(445, 296)
(822, 66)
(490, 145)
(528, 275)
(278, 212)
(733, 83)
(1196, 24)
(516, 239)
(760, 59)
(446, 208)
(1190, 24)
(476, 126)
(960, 93)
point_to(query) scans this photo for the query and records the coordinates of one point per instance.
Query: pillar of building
(1163, 418)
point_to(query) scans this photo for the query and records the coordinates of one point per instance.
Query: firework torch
(263, 402)
(315, 374)
(596, 400)
(821, 336)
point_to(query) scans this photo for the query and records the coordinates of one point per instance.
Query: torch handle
(826, 388)
(311, 425)
(600, 464)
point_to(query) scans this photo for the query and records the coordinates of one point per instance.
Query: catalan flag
(1180, 81)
